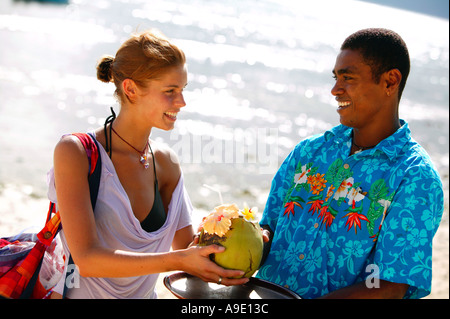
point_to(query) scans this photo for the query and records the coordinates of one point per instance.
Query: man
(352, 212)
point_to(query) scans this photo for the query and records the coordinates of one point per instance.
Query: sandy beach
(259, 82)
(20, 211)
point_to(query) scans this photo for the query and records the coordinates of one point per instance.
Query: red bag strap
(51, 227)
(91, 149)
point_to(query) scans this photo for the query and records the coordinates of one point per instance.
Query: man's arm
(387, 290)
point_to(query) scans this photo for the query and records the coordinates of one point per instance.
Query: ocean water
(259, 82)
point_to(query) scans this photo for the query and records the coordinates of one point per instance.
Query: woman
(142, 208)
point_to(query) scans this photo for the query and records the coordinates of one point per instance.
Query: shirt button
(346, 166)
(301, 257)
(316, 225)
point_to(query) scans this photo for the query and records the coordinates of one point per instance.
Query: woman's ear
(130, 89)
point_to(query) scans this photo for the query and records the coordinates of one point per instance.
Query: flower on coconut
(219, 221)
(249, 213)
(229, 211)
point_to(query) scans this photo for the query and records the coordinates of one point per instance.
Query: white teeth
(342, 104)
(171, 114)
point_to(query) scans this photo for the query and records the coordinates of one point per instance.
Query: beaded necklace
(108, 144)
(144, 158)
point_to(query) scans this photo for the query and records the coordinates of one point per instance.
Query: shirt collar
(391, 146)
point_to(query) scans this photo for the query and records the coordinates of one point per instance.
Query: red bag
(21, 256)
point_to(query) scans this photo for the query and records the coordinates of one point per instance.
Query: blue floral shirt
(340, 219)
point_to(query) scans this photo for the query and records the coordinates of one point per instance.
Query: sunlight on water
(253, 65)
(219, 103)
(80, 32)
(259, 82)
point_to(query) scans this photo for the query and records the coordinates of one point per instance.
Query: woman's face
(162, 99)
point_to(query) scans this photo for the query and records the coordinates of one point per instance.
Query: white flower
(343, 188)
(301, 177)
(354, 196)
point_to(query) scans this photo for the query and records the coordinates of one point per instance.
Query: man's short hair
(383, 50)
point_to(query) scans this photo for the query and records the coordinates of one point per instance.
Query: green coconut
(243, 246)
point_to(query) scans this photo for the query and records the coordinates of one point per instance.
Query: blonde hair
(144, 56)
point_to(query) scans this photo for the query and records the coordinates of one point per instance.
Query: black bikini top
(157, 216)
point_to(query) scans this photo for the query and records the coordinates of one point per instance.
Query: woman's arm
(94, 260)
(183, 238)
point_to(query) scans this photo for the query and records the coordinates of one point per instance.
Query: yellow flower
(249, 214)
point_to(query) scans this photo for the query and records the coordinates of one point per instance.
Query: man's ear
(393, 79)
(130, 89)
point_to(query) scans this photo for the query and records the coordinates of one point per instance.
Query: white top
(118, 228)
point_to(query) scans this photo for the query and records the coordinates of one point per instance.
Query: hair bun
(104, 68)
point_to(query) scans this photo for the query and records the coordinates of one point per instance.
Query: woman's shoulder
(70, 154)
(164, 154)
(166, 161)
(70, 145)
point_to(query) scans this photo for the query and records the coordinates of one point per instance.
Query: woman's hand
(215, 273)
(195, 261)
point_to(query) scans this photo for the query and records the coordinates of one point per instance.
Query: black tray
(186, 286)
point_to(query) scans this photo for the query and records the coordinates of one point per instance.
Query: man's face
(359, 97)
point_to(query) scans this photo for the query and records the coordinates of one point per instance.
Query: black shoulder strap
(94, 178)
